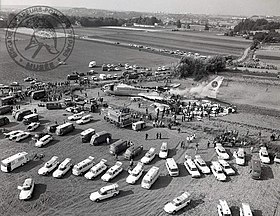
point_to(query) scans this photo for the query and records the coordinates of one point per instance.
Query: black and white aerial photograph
(140, 107)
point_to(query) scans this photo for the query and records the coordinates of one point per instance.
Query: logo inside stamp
(40, 38)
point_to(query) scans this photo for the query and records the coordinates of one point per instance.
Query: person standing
(160, 135)
(146, 136)
(157, 136)
(208, 144)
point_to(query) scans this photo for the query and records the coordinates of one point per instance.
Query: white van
(138, 125)
(17, 160)
(150, 177)
(83, 166)
(172, 167)
(245, 210)
(96, 169)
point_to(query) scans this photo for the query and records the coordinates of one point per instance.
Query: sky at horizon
(223, 7)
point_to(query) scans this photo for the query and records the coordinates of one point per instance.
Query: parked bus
(9, 100)
(17, 160)
(53, 105)
(87, 134)
(64, 128)
(4, 120)
(30, 118)
(5, 109)
(37, 95)
(19, 115)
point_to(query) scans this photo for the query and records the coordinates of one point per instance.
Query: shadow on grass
(161, 182)
(29, 166)
(257, 213)
(267, 173)
(38, 190)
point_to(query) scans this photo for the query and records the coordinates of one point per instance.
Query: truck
(119, 117)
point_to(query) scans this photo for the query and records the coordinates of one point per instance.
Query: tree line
(251, 25)
(198, 68)
(47, 21)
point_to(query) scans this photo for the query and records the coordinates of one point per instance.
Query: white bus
(172, 167)
(87, 134)
(30, 118)
(150, 177)
(64, 128)
(83, 166)
(14, 161)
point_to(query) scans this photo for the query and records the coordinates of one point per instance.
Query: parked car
(49, 166)
(191, 167)
(221, 151)
(12, 133)
(26, 190)
(163, 151)
(132, 152)
(22, 136)
(178, 203)
(201, 165)
(76, 116)
(135, 174)
(44, 140)
(105, 192)
(217, 171)
(113, 172)
(239, 155)
(33, 126)
(264, 157)
(149, 156)
(63, 168)
(226, 167)
(85, 119)
(97, 169)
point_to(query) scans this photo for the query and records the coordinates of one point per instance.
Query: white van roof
(65, 162)
(87, 131)
(14, 157)
(224, 207)
(138, 167)
(151, 173)
(109, 187)
(64, 125)
(246, 209)
(100, 164)
(171, 163)
(30, 115)
(216, 165)
(139, 122)
(85, 161)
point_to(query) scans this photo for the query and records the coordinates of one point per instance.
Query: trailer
(119, 117)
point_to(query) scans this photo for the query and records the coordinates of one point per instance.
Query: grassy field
(201, 42)
(83, 53)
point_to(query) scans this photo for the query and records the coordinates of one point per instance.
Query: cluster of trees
(198, 68)
(270, 37)
(49, 21)
(109, 21)
(251, 25)
(144, 21)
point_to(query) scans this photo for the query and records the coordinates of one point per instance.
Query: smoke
(197, 90)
